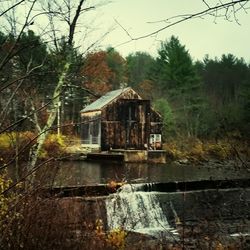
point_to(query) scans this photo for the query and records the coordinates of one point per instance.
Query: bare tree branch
(124, 29)
(25, 117)
(205, 2)
(28, 72)
(183, 18)
(11, 7)
(9, 55)
(73, 24)
(84, 89)
(27, 175)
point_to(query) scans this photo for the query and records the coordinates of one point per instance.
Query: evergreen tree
(177, 80)
(163, 107)
(226, 84)
(139, 65)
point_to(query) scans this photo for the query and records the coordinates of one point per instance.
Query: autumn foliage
(103, 71)
(97, 73)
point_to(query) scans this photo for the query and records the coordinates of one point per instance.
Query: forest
(196, 98)
(207, 99)
(45, 80)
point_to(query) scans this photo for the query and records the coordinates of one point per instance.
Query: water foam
(134, 210)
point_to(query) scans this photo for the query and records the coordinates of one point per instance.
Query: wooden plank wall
(126, 124)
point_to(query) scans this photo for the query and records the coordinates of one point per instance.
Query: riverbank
(180, 151)
(197, 151)
(224, 153)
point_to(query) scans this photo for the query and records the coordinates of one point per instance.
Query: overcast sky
(200, 36)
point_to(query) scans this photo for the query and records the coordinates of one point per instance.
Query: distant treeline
(196, 98)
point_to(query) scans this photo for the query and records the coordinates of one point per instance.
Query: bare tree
(61, 20)
(71, 20)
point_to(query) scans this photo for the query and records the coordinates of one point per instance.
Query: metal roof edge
(115, 97)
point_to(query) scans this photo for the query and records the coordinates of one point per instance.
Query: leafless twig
(210, 10)
(11, 7)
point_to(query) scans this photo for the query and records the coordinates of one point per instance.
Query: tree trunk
(36, 148)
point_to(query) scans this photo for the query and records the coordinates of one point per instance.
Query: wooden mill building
(121, 119)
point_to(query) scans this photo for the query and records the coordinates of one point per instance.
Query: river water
(174, 217)
(78, 173)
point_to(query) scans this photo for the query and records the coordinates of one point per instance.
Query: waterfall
(138, 211)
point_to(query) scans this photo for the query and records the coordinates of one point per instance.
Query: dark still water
(77, 173)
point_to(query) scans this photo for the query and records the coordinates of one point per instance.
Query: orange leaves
(103, 71)
(114, 185)
(97, 73)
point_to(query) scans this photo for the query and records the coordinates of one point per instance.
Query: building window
(155, 141)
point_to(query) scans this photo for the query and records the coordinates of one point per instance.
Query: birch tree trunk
(36, 148)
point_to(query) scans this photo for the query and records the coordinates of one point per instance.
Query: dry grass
(196, 150)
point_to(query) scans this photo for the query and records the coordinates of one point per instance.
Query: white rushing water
(138, 211)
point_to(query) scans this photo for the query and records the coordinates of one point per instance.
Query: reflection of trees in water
(71, 173)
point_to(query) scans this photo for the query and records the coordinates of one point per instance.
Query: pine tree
(177, 80)
(138, 68)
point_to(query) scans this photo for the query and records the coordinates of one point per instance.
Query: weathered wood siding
(156, 123)
(125, 123)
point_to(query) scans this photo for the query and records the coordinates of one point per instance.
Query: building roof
(104, 100)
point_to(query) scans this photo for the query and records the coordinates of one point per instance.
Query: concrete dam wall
(183, 217)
